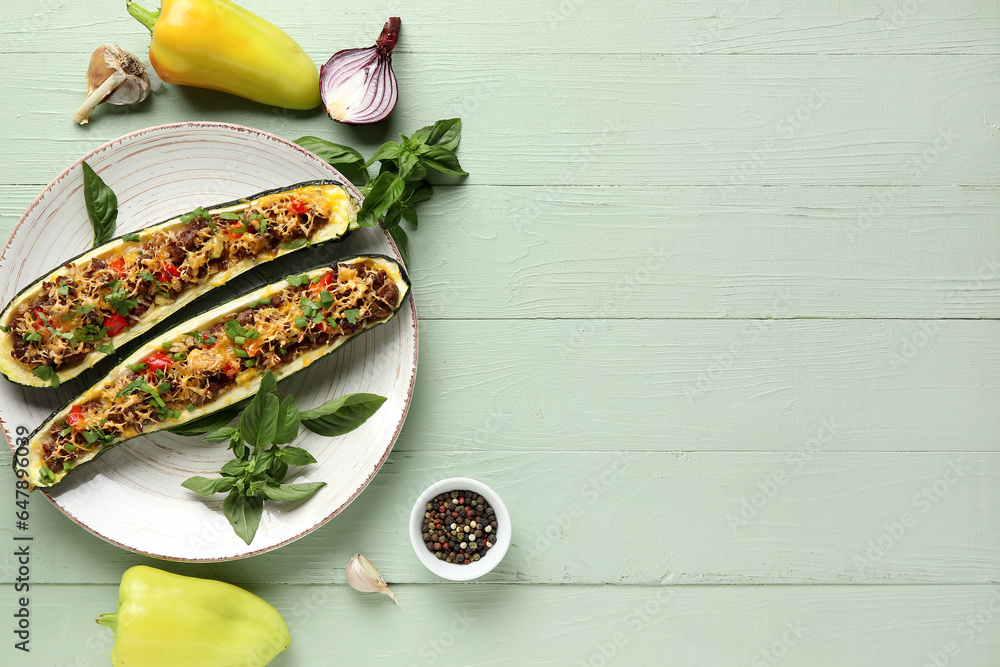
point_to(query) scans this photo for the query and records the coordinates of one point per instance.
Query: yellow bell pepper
(219, 45)
(169, 620)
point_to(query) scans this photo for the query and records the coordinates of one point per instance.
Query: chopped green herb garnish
(118, 299)
(180, 356)
(131, 237)
(298, 281)
(106, 348)
(166, 345)
(190, 407)
(135, 368)
(63, 290)
(250, 362)
(300, 322)
(47, 373)
(352, 315)
(242, 353)
(197, 213)
(234, 331)
(69, 447)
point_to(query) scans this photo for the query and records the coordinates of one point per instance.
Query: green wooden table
(715, 313)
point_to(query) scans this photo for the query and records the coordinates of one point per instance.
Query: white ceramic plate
(132, 496)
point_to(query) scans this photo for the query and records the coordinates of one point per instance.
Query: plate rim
(412, 305)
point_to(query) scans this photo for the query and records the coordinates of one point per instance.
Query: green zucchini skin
(19, 373)
(27, 467)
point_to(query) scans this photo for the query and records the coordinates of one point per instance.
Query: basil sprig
(102, 205)
(405, 171)
(260, 464)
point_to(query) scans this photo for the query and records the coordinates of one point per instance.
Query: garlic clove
(363, 576)
(114, 76)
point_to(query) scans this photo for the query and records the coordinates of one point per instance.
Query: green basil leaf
(445, 133)
(243, 514)
(268, 384)
(288, 492)
(235, 467)
(237, 445)
(259, 422)
(385, 191)
(278, 471)
(102, 205)
(342, 414)
(387, 151)
(206, 487)
(410, 215)
(442, 160)
(47, 373)
(420, 193)
(295, 456)
(407, 161)
(399, 237)
(348, 161)
(264, 461)
(220, 435)
(288, 421)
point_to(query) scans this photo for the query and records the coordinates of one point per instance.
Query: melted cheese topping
(92, 302)
(199, 367)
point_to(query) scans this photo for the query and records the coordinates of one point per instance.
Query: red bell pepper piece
(323, 283)
(75, 417)
(158, 361)
(297, 207)
(168, 273)
(115, 324)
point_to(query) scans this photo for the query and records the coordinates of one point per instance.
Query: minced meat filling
(199, 366)
(84, 309)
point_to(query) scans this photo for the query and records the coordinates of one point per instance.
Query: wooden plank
(761, 385)
(477, 624)
(686, 252)
(808, 516)
(537, 119)
(684, 29)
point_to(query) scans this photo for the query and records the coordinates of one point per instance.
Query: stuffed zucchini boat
(216, 360)
(67, 321)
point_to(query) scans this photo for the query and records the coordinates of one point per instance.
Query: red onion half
(358, 85)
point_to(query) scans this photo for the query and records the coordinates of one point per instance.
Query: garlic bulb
(363, 576)
(117, 77)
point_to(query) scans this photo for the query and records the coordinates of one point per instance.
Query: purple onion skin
(380, 92)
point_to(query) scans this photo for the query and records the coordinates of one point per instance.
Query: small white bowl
(454, 571)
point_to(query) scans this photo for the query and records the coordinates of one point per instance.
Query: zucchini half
(47, 331)
(215, 360)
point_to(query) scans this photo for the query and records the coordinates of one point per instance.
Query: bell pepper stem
(108, 621)
(143, 16)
